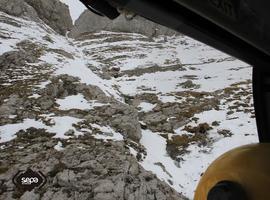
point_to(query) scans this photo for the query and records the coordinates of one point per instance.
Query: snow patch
(77, 102)
(107, 133)
(59, 146)
(75, 8)
(185, 177)
(60, 127)
(146, 107)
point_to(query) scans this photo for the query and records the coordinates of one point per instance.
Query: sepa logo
(29, 179)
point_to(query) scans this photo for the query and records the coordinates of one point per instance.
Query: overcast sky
(75, 7)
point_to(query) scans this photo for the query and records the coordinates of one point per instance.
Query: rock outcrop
(83, 169)
(54, 13)
(18, 8)
(90, 22)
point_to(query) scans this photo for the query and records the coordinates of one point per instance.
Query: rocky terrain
(112, 115)
(83, 168)
(90, 22)
(53, 13)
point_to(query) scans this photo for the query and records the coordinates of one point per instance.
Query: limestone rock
(18, 8)
(30, 195)
(90, 22)
(85, 169)
(54, 13)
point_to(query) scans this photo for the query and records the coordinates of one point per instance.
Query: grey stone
(134, 169)
(46, 102)
(18, 8)
(155, 118)
(104, 186)
(70, 132)
(66, 177)
(97, 171)
(30, 195)
(54, 13)
(90, 22)
(104, 196)
(128, 126)
(60, 195)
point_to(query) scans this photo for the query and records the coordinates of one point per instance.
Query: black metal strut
(261, 96)
(101, 8)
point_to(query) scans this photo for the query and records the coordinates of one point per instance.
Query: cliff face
(53, 13)
(90, 22)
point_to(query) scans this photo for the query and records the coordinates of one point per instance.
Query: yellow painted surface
(247, 165)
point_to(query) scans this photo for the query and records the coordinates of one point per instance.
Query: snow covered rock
(54, 13)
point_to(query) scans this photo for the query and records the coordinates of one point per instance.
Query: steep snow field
(125, 65)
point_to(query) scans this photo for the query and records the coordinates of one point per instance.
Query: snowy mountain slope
(175, 72)
(59, 117)
(166, 68)
(175, 103)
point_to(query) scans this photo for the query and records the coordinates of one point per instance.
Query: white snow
(44, 84)
(146, 107)
(15, 34)
(186, 177)
(156, 153)
(61, 126)
(75, 8)
(35, 96)
(166, 82)
(167, 98)
(77, 102)
(12, 116)
(78, 68)
(59, 146)
(132, 151)
(212, 69)
(107, 133)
